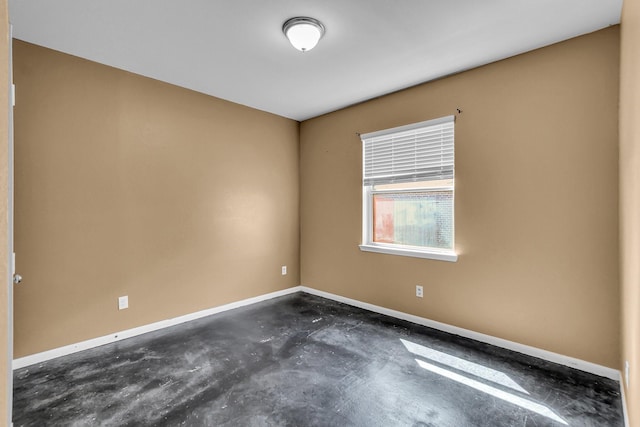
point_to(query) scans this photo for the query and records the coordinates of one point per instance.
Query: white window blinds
(417, 152)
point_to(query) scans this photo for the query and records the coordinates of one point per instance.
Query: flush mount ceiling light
(303, 32)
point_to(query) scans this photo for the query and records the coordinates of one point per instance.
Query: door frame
(10, 212)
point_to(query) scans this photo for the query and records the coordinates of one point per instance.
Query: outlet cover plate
(419, 291)
(123, 302)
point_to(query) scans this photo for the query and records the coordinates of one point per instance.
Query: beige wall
(630, 200)
(536, 201)
(129, 186)
(5, 333)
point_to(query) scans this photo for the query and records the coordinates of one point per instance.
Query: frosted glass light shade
(303, 33)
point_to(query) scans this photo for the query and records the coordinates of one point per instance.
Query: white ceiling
(235, 49)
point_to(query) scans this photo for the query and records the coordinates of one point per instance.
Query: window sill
(440, 256)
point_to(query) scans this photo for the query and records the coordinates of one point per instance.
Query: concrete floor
(301, 360)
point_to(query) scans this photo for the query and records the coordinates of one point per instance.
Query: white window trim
(411, 251)
(367, 208)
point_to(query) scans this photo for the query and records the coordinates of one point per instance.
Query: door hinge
(13, 94)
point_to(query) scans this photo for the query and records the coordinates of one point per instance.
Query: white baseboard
(118, 336)
(560, 359)
(499, 342)
(624, 405)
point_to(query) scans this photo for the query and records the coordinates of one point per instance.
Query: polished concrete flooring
(301, 360)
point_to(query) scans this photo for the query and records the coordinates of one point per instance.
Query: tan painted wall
(536, 201)
(129, 186)
(5, 333)
(630, 201)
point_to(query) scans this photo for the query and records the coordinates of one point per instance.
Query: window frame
(369, 245)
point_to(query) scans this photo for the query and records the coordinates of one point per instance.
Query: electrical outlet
(419, 293)
(123, 302)
(284, 270)
(626, 373)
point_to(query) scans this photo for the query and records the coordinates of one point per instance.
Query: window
(407, 187)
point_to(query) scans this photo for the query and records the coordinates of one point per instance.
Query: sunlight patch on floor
(481, 372)
(463, 365)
